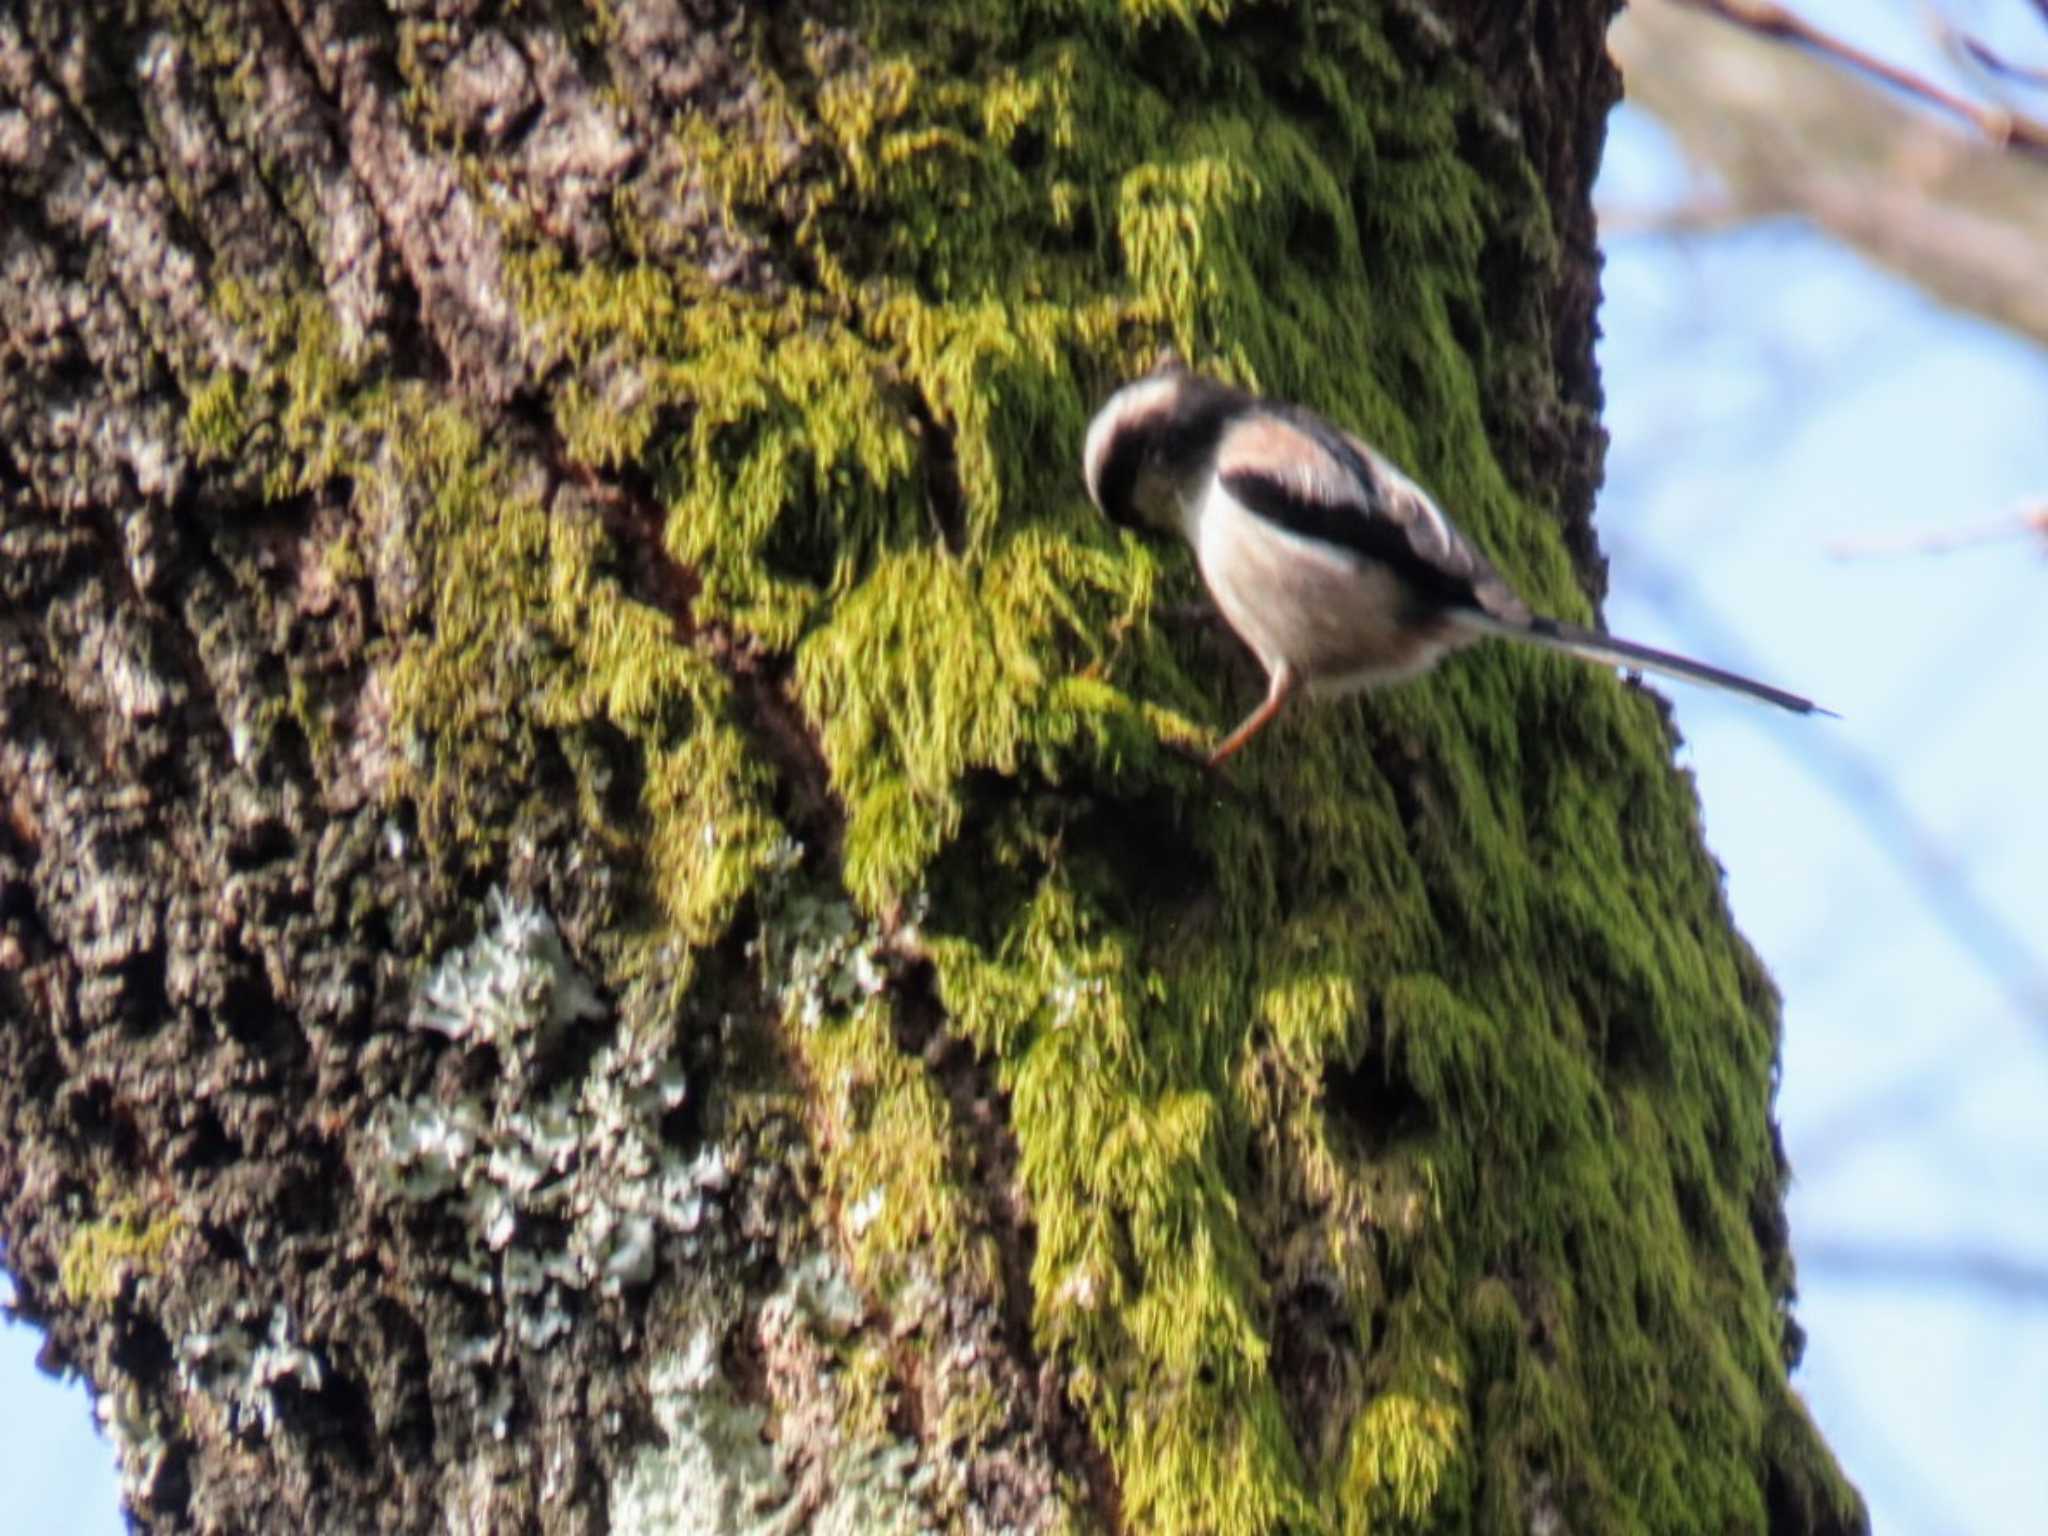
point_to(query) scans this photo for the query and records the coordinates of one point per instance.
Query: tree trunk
(600, 926)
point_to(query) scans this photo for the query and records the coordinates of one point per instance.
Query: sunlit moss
(102, 1256)
(214, 418)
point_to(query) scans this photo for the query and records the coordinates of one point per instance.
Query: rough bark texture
(599, 928)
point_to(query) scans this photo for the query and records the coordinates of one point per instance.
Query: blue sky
(1768, 394)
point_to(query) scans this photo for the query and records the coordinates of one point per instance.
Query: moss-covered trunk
(599, 924)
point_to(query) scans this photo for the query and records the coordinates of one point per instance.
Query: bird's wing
(1297, 471)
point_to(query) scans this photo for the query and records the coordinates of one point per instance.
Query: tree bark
(600, 926)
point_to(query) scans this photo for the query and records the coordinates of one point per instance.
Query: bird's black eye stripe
(1120, 472)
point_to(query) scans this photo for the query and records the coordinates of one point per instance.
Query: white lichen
(816, 1294)
(818, 955)
(140, 1443)
(564, 1187)
(243, 1373)
(716, 1470)
(513, 988)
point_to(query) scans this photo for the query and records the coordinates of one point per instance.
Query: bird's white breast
(1339, 618)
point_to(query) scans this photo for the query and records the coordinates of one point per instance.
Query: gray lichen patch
(243, 1370)
(563, 1180)
(720, 1470)
(715, 1472)
(515, 988)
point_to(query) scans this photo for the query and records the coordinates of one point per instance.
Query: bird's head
(1150, 446)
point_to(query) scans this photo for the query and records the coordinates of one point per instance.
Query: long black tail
(1556, 635)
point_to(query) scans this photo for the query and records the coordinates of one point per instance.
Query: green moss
(300, 417)
(879, 1122)
(103, 1255)
(1405, 1448)
(1433, 1012)
(214, 419)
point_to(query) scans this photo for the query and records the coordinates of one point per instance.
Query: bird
(1336, 569)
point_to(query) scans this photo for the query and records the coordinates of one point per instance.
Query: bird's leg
(1278, 690)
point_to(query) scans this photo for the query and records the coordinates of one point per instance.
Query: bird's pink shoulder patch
(1275, 449)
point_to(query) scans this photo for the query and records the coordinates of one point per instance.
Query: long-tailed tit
(1332, 565)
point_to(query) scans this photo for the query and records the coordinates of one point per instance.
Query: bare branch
(1707, 213)
(1791, 133)
(2031, 519)
(1999, 125)
(1984, 58)
(1978, 1270)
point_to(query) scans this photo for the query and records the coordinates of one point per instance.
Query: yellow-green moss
(214, 419)
(102, 1255)
(882, 1128)
(1404, 1448)
(1434, 1007)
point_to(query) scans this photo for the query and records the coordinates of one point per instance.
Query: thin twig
(1709, 213)
(1993, 63)
(1999, 125)
(1984, 1271)
(2030, 519)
